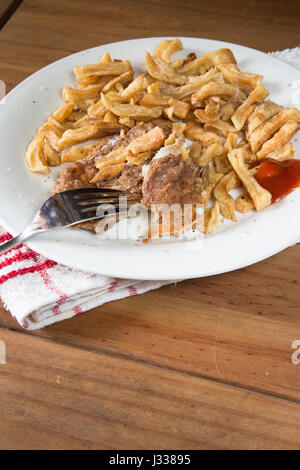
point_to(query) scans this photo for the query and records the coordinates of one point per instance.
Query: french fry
(108, 172)
(227, 110)
(204, 117)
(52, 131)
(244, 203)
(136, 99)
(177, 133)
(231, 141)
(221, 127)
(212, 109)
(84, 121)
(54, 125)
(114, 157)
(154, 88)
(212, 151)
(155, 99)
(181, 62)
(282, 153)
(51, 155)
(210, 113)
(110, 117)
(243, 112)
(268, 128)
(105, 59)
(196, 151)
(261, 113)
(131, 111)
(213, 179)
(94, 129)
(124, 79)
(77, 152)
(161, 70)
(85, 105)
(69, 125)
(222, 164)
(97, 111)
(63, 113)
(166, 48)
(35, 157)
(140, 83)
(184, 91)
(206, 194)
(169, 113)
(178, 147)
(222, 90)
(119, 87)
(150, 141)
(260, 196)
(165, 88)
(102, 69)
(204, 63)
(73, 95)
(138, 159)
(75, 115)
(94, 79)
(211, 218)
(180, 108)
(281, 137)
(194, 131)
(126, 121)
(245, 81)
(225, 200)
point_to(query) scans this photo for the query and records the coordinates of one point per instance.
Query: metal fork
(69, 208)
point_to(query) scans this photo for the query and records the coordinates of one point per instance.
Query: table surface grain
(205, 364)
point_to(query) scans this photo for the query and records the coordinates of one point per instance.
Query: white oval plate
(255, 237)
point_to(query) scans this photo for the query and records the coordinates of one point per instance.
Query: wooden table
(205, 364)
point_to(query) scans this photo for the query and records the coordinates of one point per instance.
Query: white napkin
(39, 292)
(290, 56)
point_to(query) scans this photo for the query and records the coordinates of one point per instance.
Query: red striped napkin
(38, 291)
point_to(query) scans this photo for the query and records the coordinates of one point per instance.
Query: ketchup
(279, 178)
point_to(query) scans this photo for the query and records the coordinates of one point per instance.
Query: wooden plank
(232, 328)
(7, 9)
(16, 61)
(43, 31)
(55, 396)
(265, 25)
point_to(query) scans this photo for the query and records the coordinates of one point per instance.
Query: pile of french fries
(209, 100)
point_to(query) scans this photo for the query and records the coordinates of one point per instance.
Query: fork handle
(12, 243)
(29, 232)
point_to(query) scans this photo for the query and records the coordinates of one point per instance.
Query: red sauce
(279, 178)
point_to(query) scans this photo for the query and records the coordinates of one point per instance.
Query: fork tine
(89, 208)
(97, 200)
(95, 192)
(92, 213)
